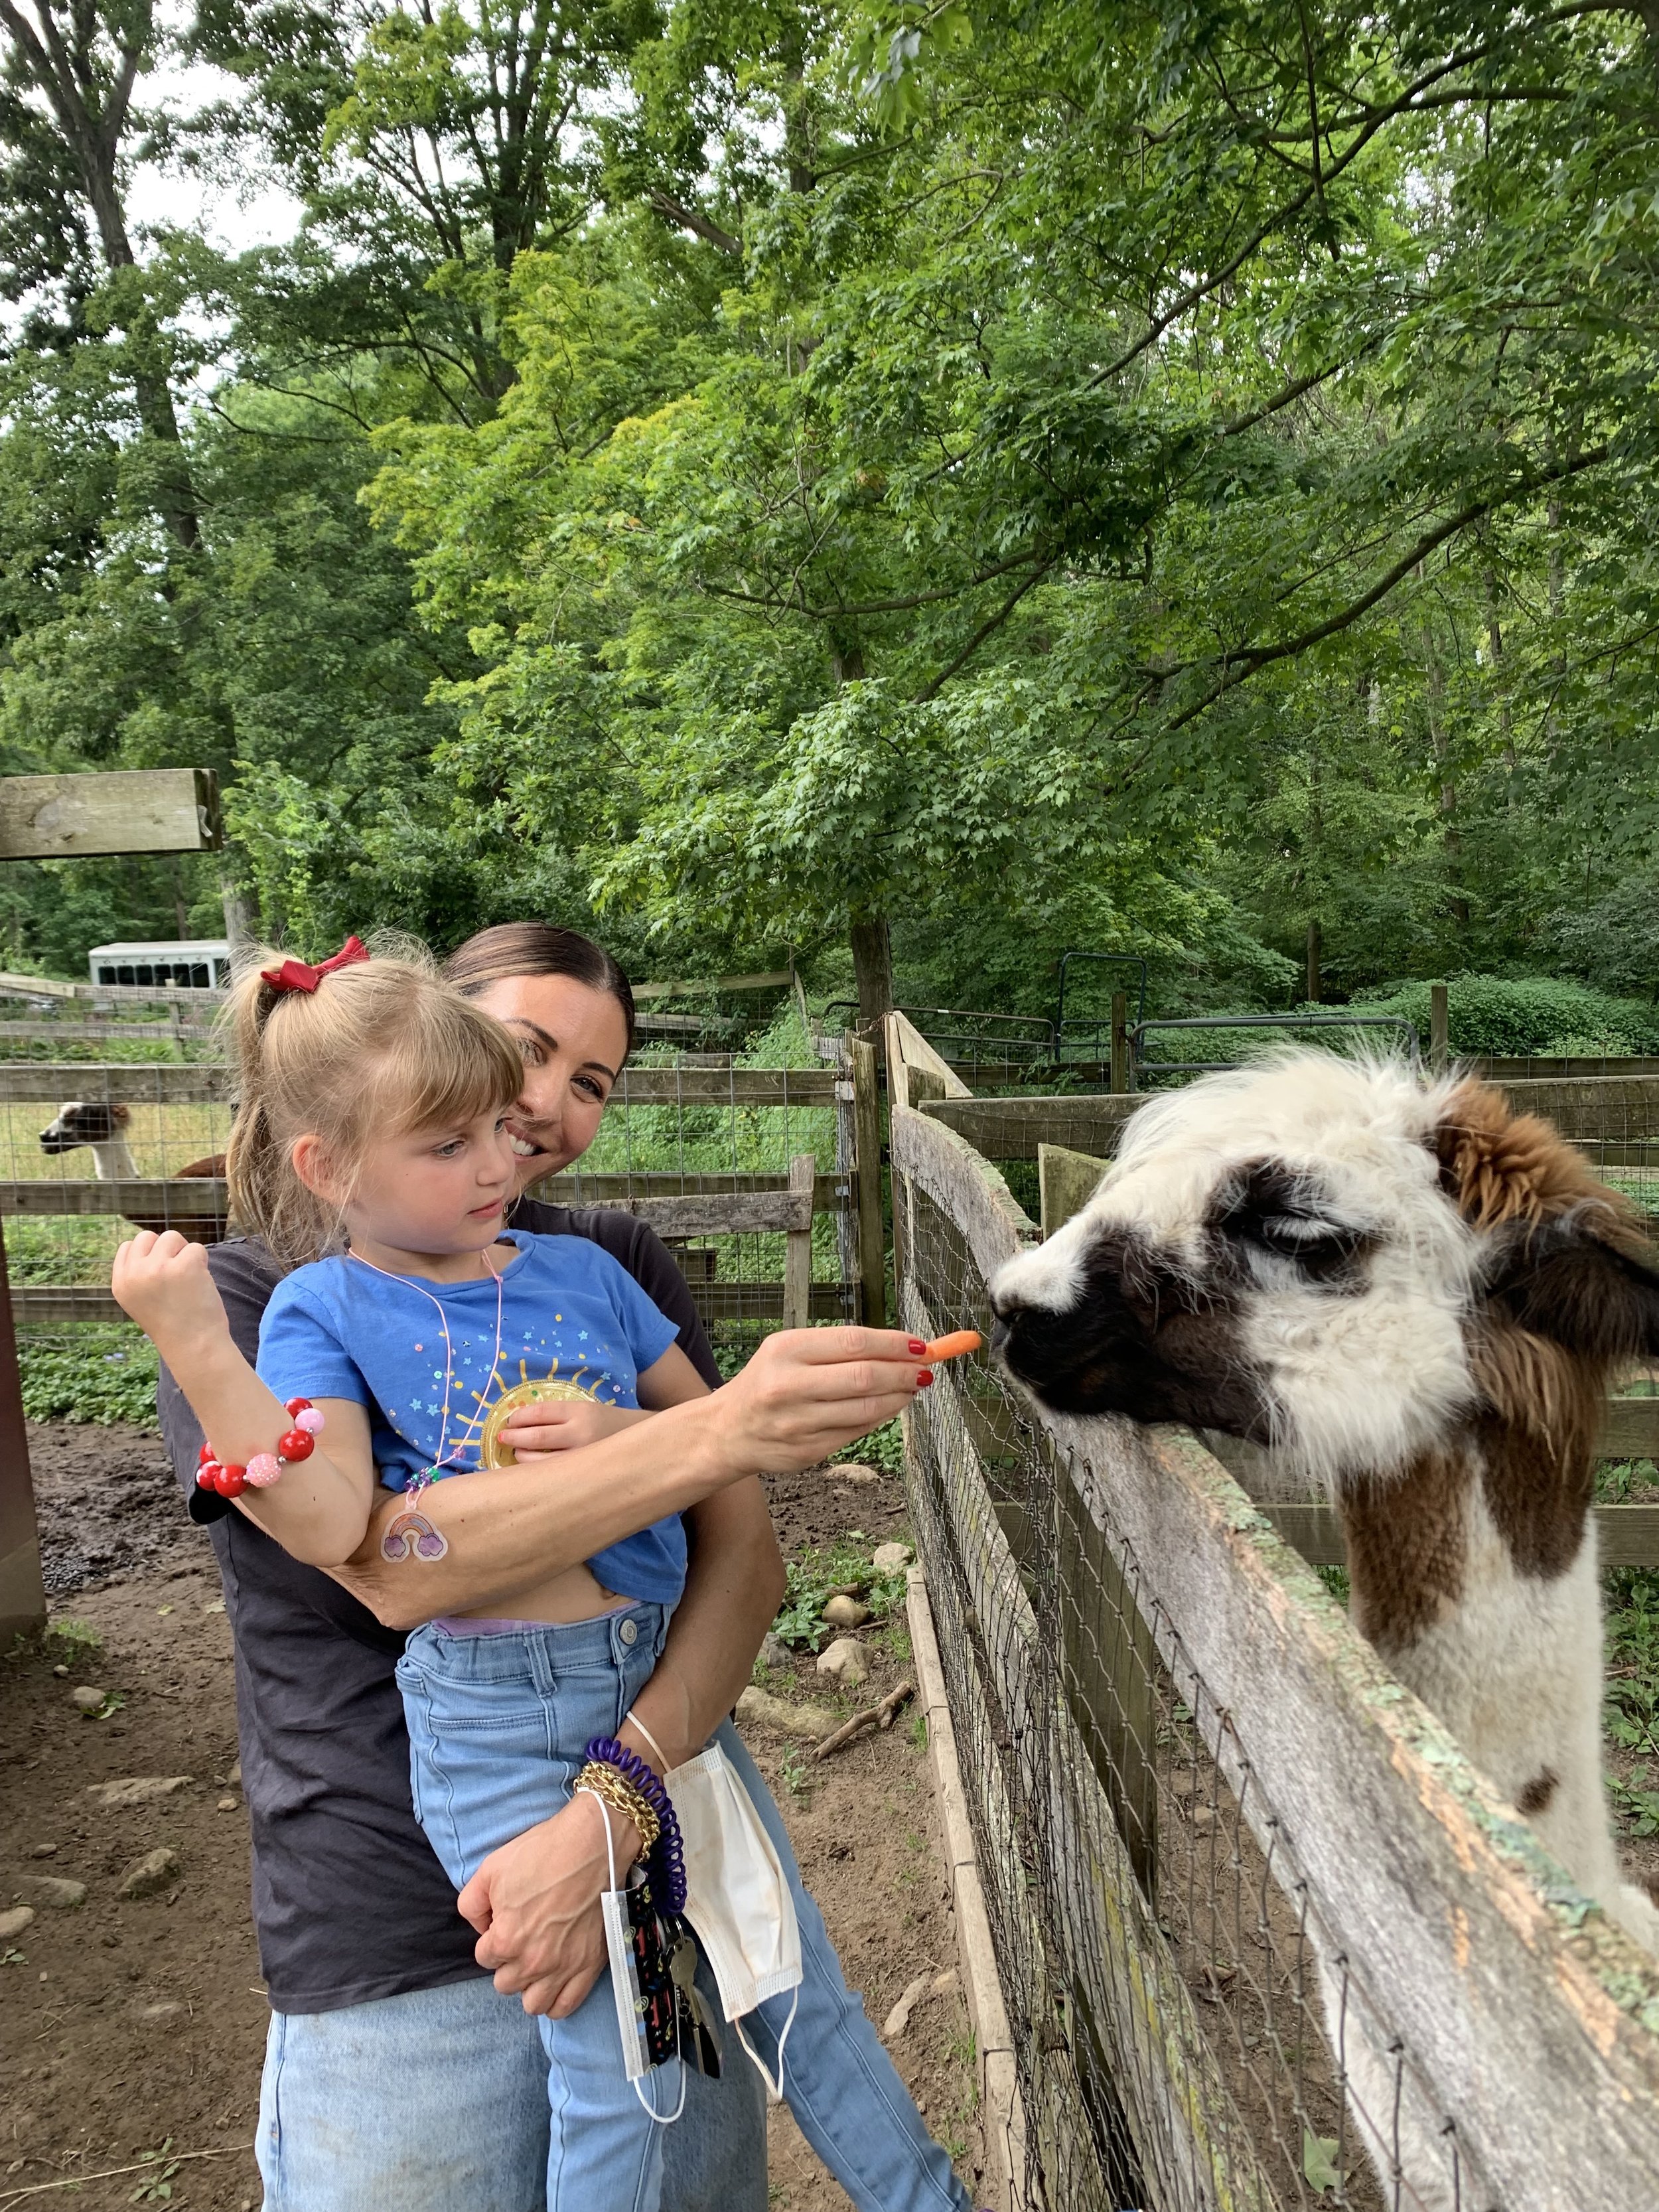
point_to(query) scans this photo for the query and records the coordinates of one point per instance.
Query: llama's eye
(1317, 1245)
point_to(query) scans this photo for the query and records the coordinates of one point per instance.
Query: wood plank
(1523, 2006)
(706, 1213)
(191, 1195)
(866, 1138)
(776, 979)
(798, 1246)
(638, 1086)
(832, 1192)
(1067, 1180)
(22, 1593)
(910, 1054)
(722, 1086)
(154, 810)
(44, 1306)
(160, 1082)
(1012, 1128)
(1626, 1536)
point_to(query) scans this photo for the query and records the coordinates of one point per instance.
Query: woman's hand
(808, 1391)
(561, 1424)
(535, 1903)
(163, 1283)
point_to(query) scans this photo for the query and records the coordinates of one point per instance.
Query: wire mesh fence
(1265, 1937)
(89, 1150)
(1192, 2035)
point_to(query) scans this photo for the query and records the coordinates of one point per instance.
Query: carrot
(952, 1346)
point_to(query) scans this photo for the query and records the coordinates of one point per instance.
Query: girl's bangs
(447, 1073)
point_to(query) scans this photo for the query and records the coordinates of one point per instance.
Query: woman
(395, 2074)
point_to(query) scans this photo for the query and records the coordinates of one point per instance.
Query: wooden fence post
(1439, 1030)
(1120, 1079)
(866, 1160)
(22, 1593)
(798, 1247)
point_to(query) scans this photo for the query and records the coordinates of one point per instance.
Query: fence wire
(680, 1128)
(1189, 2036)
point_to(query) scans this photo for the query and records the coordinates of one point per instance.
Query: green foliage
(1508, 1017)
(815, 1574)
(89, 1373)
(883, 1448)
(71, 1643)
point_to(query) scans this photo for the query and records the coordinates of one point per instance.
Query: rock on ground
(54, 1890)
(14, 1922)
(154, 1871)
(767, 1712)
(891, 1559)
(845, 1612)
(845, 1659)
(136, 1789)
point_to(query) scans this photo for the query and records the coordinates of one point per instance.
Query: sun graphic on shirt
(529, 1390)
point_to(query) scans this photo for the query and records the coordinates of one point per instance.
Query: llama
(100, 1125)
(1414, 1299)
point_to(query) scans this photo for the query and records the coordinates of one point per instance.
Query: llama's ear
(1586, 1280)
(120, 1112)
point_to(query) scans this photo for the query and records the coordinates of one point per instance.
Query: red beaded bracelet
(263, 1469)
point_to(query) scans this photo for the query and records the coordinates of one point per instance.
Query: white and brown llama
(100, 1127)
(1415, 1300)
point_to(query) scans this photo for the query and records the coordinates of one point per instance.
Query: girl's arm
(320, 1508)
(805, 1393)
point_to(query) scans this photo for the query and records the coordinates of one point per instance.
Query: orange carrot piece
(952, 1346)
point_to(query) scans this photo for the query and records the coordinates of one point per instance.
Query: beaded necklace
(410, 1534)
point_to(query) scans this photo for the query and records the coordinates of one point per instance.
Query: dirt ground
(132, 2027)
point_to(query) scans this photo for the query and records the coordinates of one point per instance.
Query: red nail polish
(916, 1347)
(924, 1378)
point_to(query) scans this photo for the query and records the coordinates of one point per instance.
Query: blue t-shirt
(339, 1328)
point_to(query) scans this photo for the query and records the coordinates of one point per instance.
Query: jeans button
(629, 1632)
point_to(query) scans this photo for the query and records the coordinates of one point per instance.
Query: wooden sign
(152, 810)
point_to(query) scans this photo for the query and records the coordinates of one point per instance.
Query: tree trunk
(872, 968)
(1457, 905)
(66, 68)
(1316, 948)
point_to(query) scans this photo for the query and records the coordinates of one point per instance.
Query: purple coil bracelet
(665, 1860)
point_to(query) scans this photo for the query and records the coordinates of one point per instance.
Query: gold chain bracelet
(619, 1793)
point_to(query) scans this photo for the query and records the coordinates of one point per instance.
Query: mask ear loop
(773, 2089)
(662, 2119)
(635, 1721)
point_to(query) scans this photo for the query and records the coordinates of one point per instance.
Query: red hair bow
(300, 975)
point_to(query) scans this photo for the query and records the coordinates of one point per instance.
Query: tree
(64, 152)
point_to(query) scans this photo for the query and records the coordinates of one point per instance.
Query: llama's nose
(1001, 1330)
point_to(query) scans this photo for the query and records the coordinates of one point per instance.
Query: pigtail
(267, 1200)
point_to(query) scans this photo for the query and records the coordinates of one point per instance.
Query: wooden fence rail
(210, 1082)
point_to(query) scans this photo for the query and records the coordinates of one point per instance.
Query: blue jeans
(436, 2101)
(497, 1726)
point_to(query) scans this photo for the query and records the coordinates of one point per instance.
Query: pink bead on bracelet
(263, 1469)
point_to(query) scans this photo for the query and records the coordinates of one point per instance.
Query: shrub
(1518, 1017)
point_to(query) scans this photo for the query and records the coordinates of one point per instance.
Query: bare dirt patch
(132, 2022)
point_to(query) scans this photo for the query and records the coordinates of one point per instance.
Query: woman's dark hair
(538, 948)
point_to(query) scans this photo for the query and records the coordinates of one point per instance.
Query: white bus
(179, 964)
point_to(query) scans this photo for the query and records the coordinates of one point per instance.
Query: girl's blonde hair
(378, 1049)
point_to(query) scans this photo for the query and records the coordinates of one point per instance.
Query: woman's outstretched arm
(805, 1393)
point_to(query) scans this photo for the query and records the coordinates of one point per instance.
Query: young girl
(389, 1355)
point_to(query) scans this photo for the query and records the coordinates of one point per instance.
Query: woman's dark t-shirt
(349, 1901)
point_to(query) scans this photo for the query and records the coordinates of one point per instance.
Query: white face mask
(736, 1896)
